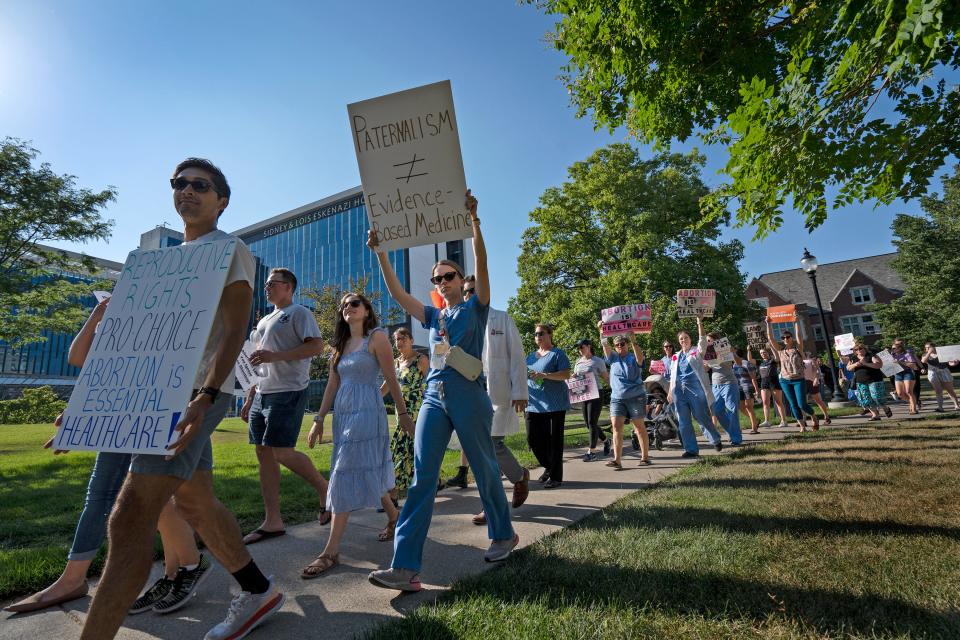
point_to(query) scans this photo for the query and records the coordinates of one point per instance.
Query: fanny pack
(461, 361)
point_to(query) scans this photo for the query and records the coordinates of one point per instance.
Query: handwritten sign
(247, 374)
(694, 302)
(627, 318)
(408, 151)
(658, 368)
(783, 313)
(101, 295)
(949, 353)
(139, 373)
(717, 352)
(890, 365)
(844, 343)
(756, 334)
(582, 387)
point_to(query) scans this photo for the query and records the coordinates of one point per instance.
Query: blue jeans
(106, 478)
(795, 391)
(689, 398)
(465, 409)
(726, 406)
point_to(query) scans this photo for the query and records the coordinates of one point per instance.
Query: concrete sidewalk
(342, 603)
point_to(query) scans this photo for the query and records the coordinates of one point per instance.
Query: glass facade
(326, 245)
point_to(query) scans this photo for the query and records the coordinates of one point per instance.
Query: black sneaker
(152, 596)
(185, 584)
(606, 447)
(458, 481)
(635, 441)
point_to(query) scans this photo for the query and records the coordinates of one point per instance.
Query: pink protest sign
(582, 387)
(627, 318)
(658, 368)
(694, 302)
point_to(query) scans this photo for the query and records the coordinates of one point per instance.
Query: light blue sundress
(361, 468)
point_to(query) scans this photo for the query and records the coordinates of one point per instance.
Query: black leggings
(545, 437)
(591, 417)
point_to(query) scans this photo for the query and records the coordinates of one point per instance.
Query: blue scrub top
(466, 324)
(685, 372)
(553, 395)
(626, 377)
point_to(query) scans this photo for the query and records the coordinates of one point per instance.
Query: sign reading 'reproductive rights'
(408, 151)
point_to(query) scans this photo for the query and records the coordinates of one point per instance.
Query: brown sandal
(321, 564)
(387, 534)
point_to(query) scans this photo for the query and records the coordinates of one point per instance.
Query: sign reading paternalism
(408, 151)
(139, 373)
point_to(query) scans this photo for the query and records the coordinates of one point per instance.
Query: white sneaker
(247, 611)
(399, 579)
(765, 423)
(500, 549)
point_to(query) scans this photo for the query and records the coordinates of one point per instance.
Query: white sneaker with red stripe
(246, 612)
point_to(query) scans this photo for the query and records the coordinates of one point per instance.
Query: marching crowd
(470, 388)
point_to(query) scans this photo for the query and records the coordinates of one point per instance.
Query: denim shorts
(633, 408)
(198, 456)
(275, 418)
(904, 375)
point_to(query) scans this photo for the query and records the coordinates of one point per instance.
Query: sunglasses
(351, 303)
(787, 336)
(540, 334)
(619, 344)
(468, 292)
(448, 276)
(199, 185)
(668, 346)
(273, 283)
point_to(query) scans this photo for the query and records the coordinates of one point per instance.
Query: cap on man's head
(584, 342)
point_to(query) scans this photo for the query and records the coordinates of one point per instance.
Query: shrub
(35, 405)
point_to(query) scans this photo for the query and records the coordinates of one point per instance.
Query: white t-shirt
(283, 330)
(242, 268)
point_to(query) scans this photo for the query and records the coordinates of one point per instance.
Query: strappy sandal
(321, 564)
(616, 465)
(387, 534)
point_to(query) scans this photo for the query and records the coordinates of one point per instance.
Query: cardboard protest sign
(844, 343)
(582, 387)
(756, 334)
(657, 367)
(948, 353)
(717, 352)
(246, 373)
(140, 371)
(784, 313)
(408, 151)
(101, 295)
(890, 365)
(693, 302)
(627, 318)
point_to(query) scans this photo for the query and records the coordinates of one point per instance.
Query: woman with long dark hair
(361, 467)
(547, 406)
(411, 368)
(590, 364)
(456, 400)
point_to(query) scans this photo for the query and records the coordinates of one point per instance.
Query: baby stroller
(661, 416)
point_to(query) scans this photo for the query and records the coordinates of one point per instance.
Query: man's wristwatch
(213, 392)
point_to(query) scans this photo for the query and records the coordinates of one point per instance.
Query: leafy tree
(850, 97)
(622, 230)
(36, 405)
(38, 290)
(929, 264)
(326, 309)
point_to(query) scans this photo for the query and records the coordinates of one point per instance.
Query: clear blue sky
(118, 92)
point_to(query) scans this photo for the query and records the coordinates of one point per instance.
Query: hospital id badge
(438, 360)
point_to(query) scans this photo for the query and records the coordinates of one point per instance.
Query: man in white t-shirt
(286, 341)
(200, 194)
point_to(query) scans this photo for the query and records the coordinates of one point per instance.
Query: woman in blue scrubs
(691, 392)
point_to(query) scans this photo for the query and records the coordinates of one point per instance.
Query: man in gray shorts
(287, 339)
(200, 194)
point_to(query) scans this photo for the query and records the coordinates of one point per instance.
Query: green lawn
(840, 534)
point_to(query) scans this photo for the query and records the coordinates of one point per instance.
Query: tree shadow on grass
(796, 483)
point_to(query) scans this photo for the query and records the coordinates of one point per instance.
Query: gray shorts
(198, 456)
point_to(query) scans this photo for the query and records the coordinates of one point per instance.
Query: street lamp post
(809, 263)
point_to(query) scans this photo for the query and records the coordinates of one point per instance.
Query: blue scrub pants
(465, 409)
(689, 398)
(795, 391)
(726, 405)
(107, 477)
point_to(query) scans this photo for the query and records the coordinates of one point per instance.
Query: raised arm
(798, 336)
(637, 353)
(482, 286)
(701, 336)
(604, 342)
(410, 304)
(770, 340)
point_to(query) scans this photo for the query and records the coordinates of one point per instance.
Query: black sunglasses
(540, 334)
(468, 292)
(448, 276)
(668, 346)
(620, 343)
(199, 185)
(351, 303)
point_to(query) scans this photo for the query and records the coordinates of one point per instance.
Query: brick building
(846, 289)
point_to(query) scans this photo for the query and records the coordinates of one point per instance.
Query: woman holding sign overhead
(691, 393)
(628, 397)
(455, 400)
(794, 385)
